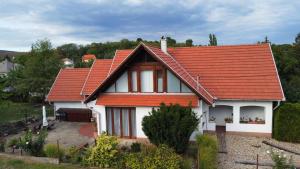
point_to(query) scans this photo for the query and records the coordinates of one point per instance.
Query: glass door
(121, 122)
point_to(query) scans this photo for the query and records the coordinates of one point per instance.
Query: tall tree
(297, 39)
(213, 40)
(189, 42)
(41, 69)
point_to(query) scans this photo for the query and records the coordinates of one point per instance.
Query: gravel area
(246, 148)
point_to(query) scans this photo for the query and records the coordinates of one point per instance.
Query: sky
(23, 22)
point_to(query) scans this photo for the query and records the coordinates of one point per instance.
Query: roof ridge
(83, 86)
(207, 46)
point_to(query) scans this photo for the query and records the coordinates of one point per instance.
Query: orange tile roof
(237, 72)
(145, 99)
(243, 72)
(119, 57)
(68, 84)
(88, 57)
(177, 69)
(97, 74)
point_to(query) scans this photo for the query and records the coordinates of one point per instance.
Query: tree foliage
(287, 123)
(189, 42)
(213, 40)
(171, 125)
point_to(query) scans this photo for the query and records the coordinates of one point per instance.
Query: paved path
(71, 134)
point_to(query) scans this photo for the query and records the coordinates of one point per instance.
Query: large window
(134, 79)
(121, 122)
(148, 78)
(147, 81)
(122, 83)
(173, 83)
(159, 81)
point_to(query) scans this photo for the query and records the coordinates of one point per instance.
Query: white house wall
(58, 105)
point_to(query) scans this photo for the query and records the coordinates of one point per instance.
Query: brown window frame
(143, 67)
(121, 121)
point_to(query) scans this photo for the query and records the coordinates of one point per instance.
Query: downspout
(278, 104)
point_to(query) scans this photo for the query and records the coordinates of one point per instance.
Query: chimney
(163, 44)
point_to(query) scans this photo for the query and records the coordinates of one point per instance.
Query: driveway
(71, 134)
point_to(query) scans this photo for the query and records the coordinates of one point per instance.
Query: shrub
(51, 150)
(281, 161)
(287, 123)
(208, 150)
(2, 145)
(135, 147)
(33, 144)
(162, 157)
(74, 155)
(104, 154)
(171, 125)
(13, 142)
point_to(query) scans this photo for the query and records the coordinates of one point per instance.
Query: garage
(74, 115)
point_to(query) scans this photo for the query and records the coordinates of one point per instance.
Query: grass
(6, 163)
(11, 111)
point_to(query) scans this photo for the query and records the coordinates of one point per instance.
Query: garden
(168, 146)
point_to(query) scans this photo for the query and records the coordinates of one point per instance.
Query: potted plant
(228, 120)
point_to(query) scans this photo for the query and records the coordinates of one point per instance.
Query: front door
(121, 122)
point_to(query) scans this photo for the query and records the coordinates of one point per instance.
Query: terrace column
(236, 114)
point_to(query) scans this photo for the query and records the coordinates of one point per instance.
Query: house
(6, 66)
(88, 58)
(233, 87)
(68, 63)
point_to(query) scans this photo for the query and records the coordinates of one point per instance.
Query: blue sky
(22, 22)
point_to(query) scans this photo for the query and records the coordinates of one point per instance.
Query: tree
(139, 39)
(171, 42)
(171, 125)
(189, 42)
(213, 40)
(297, 39)
(41, 69)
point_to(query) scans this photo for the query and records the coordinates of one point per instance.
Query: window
(147, 81)
(121, 122)
(159, 81)
(122, 83)
(185, 89)
(134, 85)
(173, 83)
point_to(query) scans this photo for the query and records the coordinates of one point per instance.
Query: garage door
(76, 115)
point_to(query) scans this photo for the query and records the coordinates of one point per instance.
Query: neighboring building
(6, 66)
(236, 87)
(68, 63)
(88, 58)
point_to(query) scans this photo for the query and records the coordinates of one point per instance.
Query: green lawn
(6, 163)
(10, 111)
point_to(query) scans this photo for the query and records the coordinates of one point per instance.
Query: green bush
(51, 150)
(2, 145)
(171, 125)
(162, 157)
(208, 150)
(135, 147)
(13, 142)
(74, 155)
(33, 144)
(104, 154)
(287, 123)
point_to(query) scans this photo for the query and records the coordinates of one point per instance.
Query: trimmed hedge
(287, 123)
(161, 157)
(171, 125)
(208, 151)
